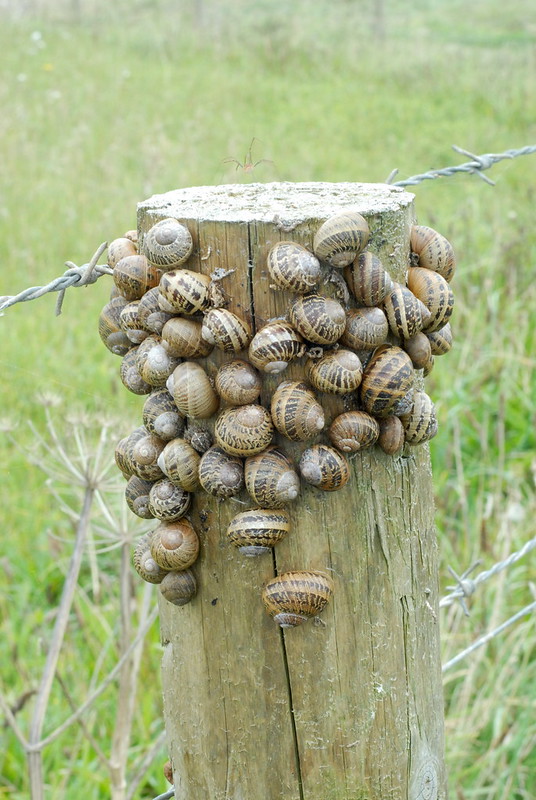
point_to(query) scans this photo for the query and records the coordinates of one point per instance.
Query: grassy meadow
(104, 104)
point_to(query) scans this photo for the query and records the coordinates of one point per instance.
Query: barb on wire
(474, 167)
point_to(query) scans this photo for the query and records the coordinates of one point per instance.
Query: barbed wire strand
(166, 795)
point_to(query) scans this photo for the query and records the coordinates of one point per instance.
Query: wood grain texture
(347, 707)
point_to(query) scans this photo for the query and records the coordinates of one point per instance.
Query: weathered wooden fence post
(348, 707)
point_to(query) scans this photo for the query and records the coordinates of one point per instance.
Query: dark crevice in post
(292, 719)
(251, 230)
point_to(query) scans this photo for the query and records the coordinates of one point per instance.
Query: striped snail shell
(292, 266)
(244, 430)
(192, 391)
(353, 431)
(130, 376)
(225, 330)
(406, 314)
(274, 346)
(137, 496)
(130, 323)
(153, 361)
(175, 545)
(365, 328)
(433, 251)
(161, 416)
(123, 450)
(150, 315)
(392, 435)
(238, 382)
(296, 413)
(167, 501)
(144, 563)
(418, 349)
(180, 463)
(428, 367)
(178, 587)
(441, 340)
(168, 244)
(199, 437)
(120, 248)
(183, 338)
(143, 454)
(270, 479)
(133, 276)
(341, 238)
(183, 291)
(221, 474)
(403, 404)
(435, 293)
(256, 531)
(367, 279)
(337, 372)
(420, 423)
(318, 319)
(110, 331)
(294, 597)
(386, 380)
(324, 467)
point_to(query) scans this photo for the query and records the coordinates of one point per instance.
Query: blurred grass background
(104, 104)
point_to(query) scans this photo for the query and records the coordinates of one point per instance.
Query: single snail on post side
(367, 280)
(161, 416)
(143, 456)
(179, 461)
(257, 531)
(433, 251)
(244, 430)
(226, 330)
(292, 266)
(392, 435)
(434, 291)
(221, 474)
(338, 372)
(238, 383)
(418, 349)
(133, 276)
(168, 244)
(318, 319)
(168, 501)
(178, 587)
(154, 362)
(341, 238)
(353, 431)
(296, 412)
(386, 381)
(144, 563)
(192, 391)
(130, 376)
(271, 481)
(420, 422)
(175, 545)
(274, 346)
(137, 496)
(324, 467)
(294, 597)
(184, 292)
(120, 248)
(440, 340)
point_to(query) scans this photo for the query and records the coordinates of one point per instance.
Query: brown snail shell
(221, 474)
(318, 319)
(199, 437)
(386, 380)
(132, 235)
(178, 587)
(441, 340)
(225, 330)
(433, 251)
(167, 501)
(168, 244)
(130, 323)
(274, 346)
(180, 463)
(420, 423)
(133, 276)
(175, 545)
(418, 349)
(161, 416)
(294, 597)
(144, 563)
(184, 292)
(337, 372)
(367, 280)
(256, 531)
(137, 496)
(435, 293)
(324, 467)
(341, 238)
(110, 331)
(392, 435)
(123, 450)
(154, 362)
(353, 431)
(183, 338)
(150, 315)
(406, 314)
(238, 383)
(366, 328)
(130, 376)
(143, 452)
(120, 248)
(296, 413)
(192, 391)
(292, 266)
(244, 430)
(270, 479)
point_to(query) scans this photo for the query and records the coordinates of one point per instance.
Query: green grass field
(104, 105)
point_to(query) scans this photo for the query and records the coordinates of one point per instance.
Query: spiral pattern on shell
(292, 266)
(353, 431)
(183, 291)
(406, 314)
(175, 545)
(296, 413)
(161, 416)
(274, 346)
(221, 474)
(341, 238)
(168, 244)
(433, 251)
(168, 501)
(244, 430)
(270, 479)
(338, 372)
(257, 531)
(179, 461)
(365, 328)
(294, 597)
(318, 319)
(387, 379)
(133, 276)
(435, 293)
(238, 382)
(225, 330)
(144, 563)
(324, 467)
(367, 279)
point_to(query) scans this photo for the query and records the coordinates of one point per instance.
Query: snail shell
(183, 338)
(143, 451)
(167, 501)
(133, 276)
(137, 496)
(180, 463)
(238, 383)
(184, 292)
(324, 467)
(175, 545)
(274, 346)
(367, 279)
(132, 235)
(192, 391)
(294, 597)
(244, 430)
(178, 587)
(296, 413)
(432, 290)
(199, 437)
(144, 563)
(341, 238)
(255, 532)
(225, 330)
(120, 248)
(441, 340)
(153, 361)
(221, 474)
(123, 450)
(433, 251)
(270, 480)
(161, 416)
(386, 380)
(392, 435)
(110, 331)
(420, 423)
(418, 349)
(353, 431)
(130, 323)
(406, 314)
(292, 266)
(318, 319)
(168, 244)
(338, 372)
(365, 328)
(150, 315)
(130, 375)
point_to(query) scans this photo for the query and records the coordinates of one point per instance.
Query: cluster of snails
(163, 318)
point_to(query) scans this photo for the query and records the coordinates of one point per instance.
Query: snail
(257, 531)
(130, 323)
(296, 413)
(318, 319)
(153, 361)
(221, 474)
(418, 349)
(168, 244)
(386, 380)
(130, 376)
(161, 416)
(244, 430)
(270, 480)
(184, 292)
(123, 450)
(199, 437)
(405, 313)
(294, 597)
(183, 338)
(392, 435)
(440, 340)
(341, 238)
(433, 251)
(225, 330)
(137, 496)
(175, 545)
(167, 501)
(180, 463)
(274, 346)
(324, 467)
(337, 372)
(110, 331)
(435, 293)
(367, 279)
(132, 235)
(353, 431)
(133, 276)
(420, 423)
(120, 248)
(178, 587)
(144, 563)
(238, 383)
(143, 452)
(192, 391)
(365, 328)
(292, 266)
(150, 315)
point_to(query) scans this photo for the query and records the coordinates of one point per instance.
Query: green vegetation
(104, 104)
